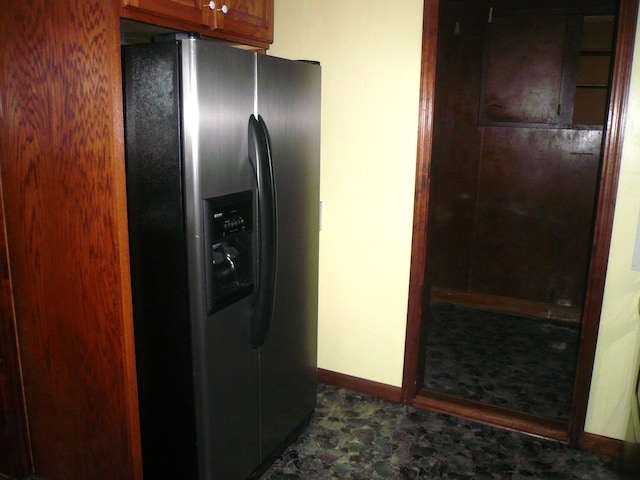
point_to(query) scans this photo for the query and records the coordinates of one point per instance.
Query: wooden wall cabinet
(547, 70)
(248, 18)
(192, 12)
(249, 22)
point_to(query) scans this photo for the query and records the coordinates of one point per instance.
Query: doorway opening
(522, 109)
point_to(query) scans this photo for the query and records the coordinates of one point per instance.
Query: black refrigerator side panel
(158, 261)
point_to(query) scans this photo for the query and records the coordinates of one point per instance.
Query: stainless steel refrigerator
(222, 163)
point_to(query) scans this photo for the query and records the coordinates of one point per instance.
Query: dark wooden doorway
(420, 283)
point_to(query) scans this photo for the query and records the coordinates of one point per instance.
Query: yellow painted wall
(370, 54)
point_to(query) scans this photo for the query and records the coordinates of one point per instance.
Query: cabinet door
(247, 18)
(194, 12)
(524, 70)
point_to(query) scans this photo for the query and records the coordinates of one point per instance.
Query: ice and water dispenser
(228, 243)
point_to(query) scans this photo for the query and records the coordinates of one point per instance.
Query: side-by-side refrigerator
(222, 163)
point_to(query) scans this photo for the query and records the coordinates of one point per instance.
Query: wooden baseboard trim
(493, 415)
(368, 387)
(602, 445)
(508, 305)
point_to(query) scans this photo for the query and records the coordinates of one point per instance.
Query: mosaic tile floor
(479, 355)
(354, 436)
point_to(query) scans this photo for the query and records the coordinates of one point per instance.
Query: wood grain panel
(524, 69)
(516, 306)
(456, 145)
(63, 181)
(15, 452)
(249, 18)
(493, 415)
(246, 22)
(193, 11)
(536, 200)
(419, 283)
(480, 175)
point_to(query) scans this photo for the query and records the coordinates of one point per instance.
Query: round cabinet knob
(211, 5)
(224, 9)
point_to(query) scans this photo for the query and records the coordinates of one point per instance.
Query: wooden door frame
(419, 284)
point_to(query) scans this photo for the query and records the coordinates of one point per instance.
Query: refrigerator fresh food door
(288, 101)
(218, 97)
(267, 253)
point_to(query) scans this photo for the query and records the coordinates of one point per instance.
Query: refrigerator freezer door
(289, 103)
(218, 96)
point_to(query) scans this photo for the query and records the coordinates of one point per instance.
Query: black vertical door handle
(261, 160)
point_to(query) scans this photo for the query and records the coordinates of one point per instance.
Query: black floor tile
(516, 362)
(355, 436)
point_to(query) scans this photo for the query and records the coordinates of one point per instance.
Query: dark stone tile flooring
(355, 436)
(516, 362)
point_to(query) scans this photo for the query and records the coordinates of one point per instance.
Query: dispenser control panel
(232, 218)
(229, 249)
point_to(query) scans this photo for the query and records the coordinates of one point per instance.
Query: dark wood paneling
(63, 181)
(15, 452)
(523, 73)
(536, 198)
(456, 144)
(511, 208)
(515, 306)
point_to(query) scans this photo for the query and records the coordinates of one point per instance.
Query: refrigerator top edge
(193, 38)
